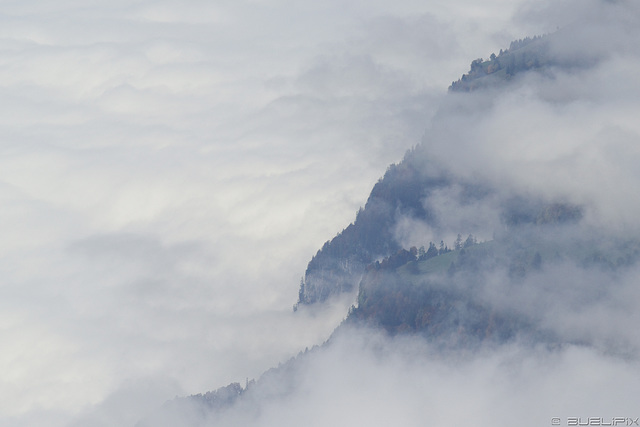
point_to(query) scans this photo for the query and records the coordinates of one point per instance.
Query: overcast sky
(167, 170)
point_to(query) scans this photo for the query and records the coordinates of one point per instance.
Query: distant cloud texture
(167, 169)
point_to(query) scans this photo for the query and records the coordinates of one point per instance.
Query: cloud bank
(365, 377)
(168, 168)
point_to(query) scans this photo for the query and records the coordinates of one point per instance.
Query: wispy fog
(568, 132)
(167, 170)
(366, 378)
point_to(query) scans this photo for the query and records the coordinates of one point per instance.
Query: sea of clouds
(167, 169)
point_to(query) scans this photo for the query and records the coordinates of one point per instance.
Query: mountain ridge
(475, 294)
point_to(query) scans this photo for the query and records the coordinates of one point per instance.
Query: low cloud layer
(169, 168)
(365, 377)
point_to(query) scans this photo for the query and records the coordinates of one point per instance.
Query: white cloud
(168, 168)
(364, 377)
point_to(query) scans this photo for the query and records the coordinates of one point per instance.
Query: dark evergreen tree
(432, 251)
(458, 243)
(470, 241)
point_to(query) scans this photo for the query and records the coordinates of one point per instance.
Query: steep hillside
(338, 265)
(448, 296)
(522, 55)
(490, 264)
(413, 188)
